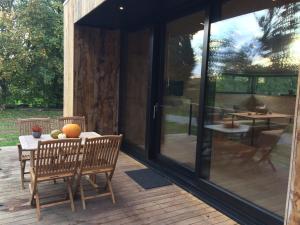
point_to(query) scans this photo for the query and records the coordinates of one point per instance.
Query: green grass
(176, 128)
(26, 113)
(8, 127)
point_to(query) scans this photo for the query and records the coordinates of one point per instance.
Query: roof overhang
(115, 14)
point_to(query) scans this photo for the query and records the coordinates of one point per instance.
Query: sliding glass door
(181, 82)
(249, 102)
(240, 147)
(251, 91)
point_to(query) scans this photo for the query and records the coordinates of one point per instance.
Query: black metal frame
(196, 182)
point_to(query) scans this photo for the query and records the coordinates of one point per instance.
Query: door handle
(154, 110)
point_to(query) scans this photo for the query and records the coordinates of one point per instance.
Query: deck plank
(164, 205)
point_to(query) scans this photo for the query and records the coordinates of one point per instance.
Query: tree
(31, 58)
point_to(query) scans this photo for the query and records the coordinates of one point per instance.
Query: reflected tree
(279, 27)
(181, 58)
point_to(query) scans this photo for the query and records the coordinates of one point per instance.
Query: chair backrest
(57, 157)
(25, 125)
(269, 138)
(101, 152)
(80, 120)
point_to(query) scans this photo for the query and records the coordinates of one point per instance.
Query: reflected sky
(243, 30)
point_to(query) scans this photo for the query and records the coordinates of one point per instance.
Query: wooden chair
(55, 159)
(99, 156)
(266, 143)
(80, 120)
(25, 126)
(226, 150)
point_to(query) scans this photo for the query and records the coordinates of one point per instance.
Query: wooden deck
(165, 205)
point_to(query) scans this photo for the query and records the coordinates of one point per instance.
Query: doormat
(147, 178)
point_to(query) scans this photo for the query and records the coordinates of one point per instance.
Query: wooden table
(220, 128)
(29, 143)
(256, 116)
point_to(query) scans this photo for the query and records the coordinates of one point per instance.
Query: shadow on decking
(164, 205)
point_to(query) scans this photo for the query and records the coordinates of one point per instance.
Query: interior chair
(55, 159)
(265, 144)
(99, 157)
(25, 128)
(259, 153)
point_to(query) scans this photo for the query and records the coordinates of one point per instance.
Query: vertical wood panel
(135, 86)
(73, 11)
(83, 7)
(96, 76)
(68, 57)
(292, 215)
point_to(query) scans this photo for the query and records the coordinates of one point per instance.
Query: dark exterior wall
(96, 77)
(138, 62)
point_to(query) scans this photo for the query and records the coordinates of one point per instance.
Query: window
(250, 99)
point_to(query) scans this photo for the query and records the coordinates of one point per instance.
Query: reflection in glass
(181, 89)
(250, 103)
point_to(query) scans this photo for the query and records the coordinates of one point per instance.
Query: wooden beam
(74, 10)
(83, 7)
(68, 57)
(292, 214)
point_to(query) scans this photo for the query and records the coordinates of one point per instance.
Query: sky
(243, 29)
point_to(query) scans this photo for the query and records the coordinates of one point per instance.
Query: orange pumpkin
(71, 130)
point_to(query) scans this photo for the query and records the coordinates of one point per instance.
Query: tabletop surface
(219, 127)
(254, 115)
(29, 143)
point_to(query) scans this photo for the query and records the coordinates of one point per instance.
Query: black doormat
(147, 178)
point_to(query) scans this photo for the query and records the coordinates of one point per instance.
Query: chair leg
(93, 178)
(70, 194)
(110, 188)
(272, 165)
(77, 184)
(110, 177)
(82, 196)
(38, 206)
(22, 165)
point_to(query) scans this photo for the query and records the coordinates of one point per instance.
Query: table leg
(252, 132)
(268, 123)
(31, 158)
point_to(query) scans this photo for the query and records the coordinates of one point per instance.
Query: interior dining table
(260, 116)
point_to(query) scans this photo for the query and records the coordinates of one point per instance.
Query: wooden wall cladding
(83, 7)
(292, 215)
(68, 57)
(73, 11)
(96, 77)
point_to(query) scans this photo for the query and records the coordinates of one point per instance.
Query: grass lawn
(176, 128)
(8, 118)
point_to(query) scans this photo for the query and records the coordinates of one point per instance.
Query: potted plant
(36, 131)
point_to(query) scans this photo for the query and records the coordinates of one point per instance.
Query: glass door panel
(184, 40)
(250, 102)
